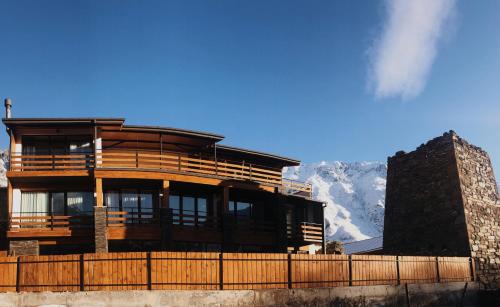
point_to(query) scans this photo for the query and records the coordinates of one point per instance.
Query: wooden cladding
(212, 271)
(173, 162)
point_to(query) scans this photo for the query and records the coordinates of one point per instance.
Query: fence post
(221, 272)
(18, 273)
(350, 270)
(82, 272)
(397, 271)
(472, 269)
(289, 262)
(148, 267)
(437, 270)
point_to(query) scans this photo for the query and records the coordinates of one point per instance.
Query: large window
(57, 203)
(131, 200)
(56, 145)
(240, 208)
(189, 210)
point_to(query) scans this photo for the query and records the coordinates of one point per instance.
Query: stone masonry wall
(482, 210)
(423, 212)
(442, 199)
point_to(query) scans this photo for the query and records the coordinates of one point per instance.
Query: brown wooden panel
(255, 271)
(454, 269)
(49, 273)
(417, 269)
(115, 271)
(8, 274)
(311, 271)
(373, 270)
(184, 271)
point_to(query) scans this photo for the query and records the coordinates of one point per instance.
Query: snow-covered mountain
(4, 160)
(354, 194)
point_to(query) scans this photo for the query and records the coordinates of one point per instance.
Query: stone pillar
(100, 220)
(24, 248)
(101, 234)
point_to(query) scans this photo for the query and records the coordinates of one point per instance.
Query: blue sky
(313, 80)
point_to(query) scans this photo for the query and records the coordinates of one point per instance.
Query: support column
(323, 235)
(280, 218)
(166, 216)
(228, 225)
(100, 218)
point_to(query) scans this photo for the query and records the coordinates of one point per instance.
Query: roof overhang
(174, 131)
(282, 160)
(62, 121)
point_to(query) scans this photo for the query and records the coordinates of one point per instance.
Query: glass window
(232, 206)
(202, 209)
(243, 209)
(146, 204)
(80, 203)
(188, 205)
(80, 145)
(57, 202)
(188, 210)
(130, 201)
(34, 203)
(112, 200)
(174, 203)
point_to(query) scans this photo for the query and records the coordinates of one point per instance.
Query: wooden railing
(213, 271)
(305, 231)
(311, 232)
(29, 220)
(131, 217)
(154, 161)
(75, 161)
(181, 163)
(201, 221)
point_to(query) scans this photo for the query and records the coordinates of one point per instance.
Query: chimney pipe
(8, 106)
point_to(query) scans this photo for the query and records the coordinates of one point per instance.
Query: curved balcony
(168, 162)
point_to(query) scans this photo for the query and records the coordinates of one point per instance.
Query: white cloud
(403, 53)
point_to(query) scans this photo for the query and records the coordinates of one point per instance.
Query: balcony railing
(305, 231)
(30, 220)
(123, 159)
(74, 161)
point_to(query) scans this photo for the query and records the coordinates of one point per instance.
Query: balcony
(305, 232)
(44, 224)
(167, 162)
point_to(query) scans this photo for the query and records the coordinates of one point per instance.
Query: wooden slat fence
(373, 270)
(213, 271)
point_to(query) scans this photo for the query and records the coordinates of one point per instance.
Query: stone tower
(442, 200)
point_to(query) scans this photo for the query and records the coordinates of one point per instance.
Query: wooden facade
(95, 184)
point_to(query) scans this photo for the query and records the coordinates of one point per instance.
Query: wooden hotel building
(96, 185)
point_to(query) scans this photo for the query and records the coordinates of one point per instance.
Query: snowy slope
(3, 168)
(354, 194)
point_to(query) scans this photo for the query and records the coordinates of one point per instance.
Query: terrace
(173, 162)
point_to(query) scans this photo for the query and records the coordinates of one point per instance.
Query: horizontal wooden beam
(60, 173)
